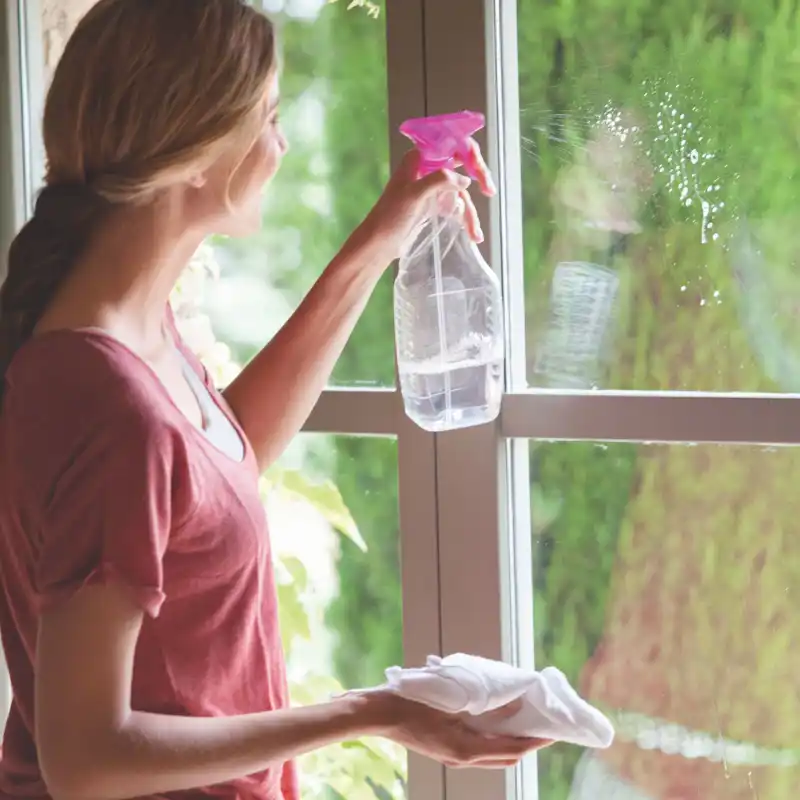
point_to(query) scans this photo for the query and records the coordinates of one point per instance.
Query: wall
(59, 17)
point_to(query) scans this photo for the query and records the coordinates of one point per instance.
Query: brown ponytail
(145, 95)
(40, 258)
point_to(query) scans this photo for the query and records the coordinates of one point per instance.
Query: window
(650, 238)
(629, 517)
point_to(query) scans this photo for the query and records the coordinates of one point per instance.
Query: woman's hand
(448, 739)
(406, 201)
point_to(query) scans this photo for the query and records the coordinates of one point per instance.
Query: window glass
(333, 512)
(660, 195)
(665, 588)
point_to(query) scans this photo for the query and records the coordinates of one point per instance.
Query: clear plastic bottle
(447, 302)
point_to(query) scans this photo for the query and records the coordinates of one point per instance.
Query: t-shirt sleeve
(109, 513)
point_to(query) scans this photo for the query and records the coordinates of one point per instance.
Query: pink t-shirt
(103, 478)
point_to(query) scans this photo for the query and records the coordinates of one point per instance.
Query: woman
(138, 608)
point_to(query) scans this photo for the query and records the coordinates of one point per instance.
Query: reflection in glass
(659, 155)
(666, 588)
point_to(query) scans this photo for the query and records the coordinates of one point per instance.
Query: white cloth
(551, 708)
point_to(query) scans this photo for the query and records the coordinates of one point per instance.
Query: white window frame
(12, 130)
(466, 569)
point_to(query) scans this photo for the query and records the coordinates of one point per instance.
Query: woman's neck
(123, 281)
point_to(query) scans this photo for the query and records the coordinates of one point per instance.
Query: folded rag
(551, 708)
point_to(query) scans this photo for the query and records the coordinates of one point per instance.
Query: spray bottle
(447, 301)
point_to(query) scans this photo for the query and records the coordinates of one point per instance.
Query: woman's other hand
(448, 739)
(406, 201)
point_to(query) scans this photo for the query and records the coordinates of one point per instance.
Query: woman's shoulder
(80, 406)
(75, 380)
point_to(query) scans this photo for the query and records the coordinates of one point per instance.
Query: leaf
(293, 616)
(315, 688)
(378, 767)
(324, 497)
(297, 570)
(373, 9)
(291, 578)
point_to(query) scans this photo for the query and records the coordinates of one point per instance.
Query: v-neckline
(247, 451)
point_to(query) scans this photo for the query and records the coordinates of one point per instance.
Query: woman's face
(237, 180)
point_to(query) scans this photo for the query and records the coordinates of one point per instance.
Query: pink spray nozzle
(444, 139)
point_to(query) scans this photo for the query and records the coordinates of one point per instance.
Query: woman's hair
(147, 93)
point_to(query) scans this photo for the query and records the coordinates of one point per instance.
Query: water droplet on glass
(704, 224)
(694, 156)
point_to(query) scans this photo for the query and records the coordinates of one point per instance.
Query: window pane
(335, 532)
(665, 583)
(660, 194)
(334, 113)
